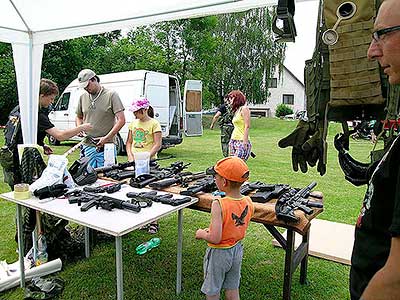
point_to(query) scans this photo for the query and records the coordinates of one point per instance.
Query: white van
(177, 116)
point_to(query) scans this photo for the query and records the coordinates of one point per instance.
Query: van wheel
(120, 145)
(53, 141)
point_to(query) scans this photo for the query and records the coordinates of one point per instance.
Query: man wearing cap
(230, 217)
(103, 109)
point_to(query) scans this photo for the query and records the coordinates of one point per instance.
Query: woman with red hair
(240, 145)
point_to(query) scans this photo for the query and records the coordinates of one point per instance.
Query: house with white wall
(287, 89)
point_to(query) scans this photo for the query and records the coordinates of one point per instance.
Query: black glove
(55, 190)
(315, 149)
(296, 139)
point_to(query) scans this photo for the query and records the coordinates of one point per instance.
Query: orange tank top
(236, 215)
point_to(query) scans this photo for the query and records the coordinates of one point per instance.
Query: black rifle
(168, 172)
(109, 189)
(206, 185)
(108, 203)
(79, 196)
(124, 165)
(154, 196)
(247, 188)
(265, 195)
(181, 179)
(98, 200)
(295, 199)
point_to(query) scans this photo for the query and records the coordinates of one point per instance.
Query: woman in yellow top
(240, 145)
(144, 136)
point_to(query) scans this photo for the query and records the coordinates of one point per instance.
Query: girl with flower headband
(144, 132)
(144, 136)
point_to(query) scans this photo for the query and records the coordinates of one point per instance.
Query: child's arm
(214, 233)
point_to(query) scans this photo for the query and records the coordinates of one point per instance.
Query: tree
(8, 87)
(248, 54)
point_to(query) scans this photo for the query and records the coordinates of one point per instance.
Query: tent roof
(49, 20)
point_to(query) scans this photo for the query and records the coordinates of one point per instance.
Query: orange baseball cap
(232, 168)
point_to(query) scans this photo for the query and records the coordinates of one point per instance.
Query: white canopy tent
(29, 25)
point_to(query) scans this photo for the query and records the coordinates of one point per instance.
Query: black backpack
(12, 131)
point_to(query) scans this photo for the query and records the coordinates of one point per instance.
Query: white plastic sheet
(42, 270)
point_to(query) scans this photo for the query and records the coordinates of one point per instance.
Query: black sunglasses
(376, 36)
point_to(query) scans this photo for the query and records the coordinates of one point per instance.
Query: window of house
(288, 99)
(273, 83)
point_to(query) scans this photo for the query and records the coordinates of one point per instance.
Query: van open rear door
(192, 108)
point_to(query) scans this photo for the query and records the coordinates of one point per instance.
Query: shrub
(283, 110)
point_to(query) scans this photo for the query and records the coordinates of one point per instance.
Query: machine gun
(205, 185)
(79, 196)
(154, 196)
(264, 191)
(92, 199)
(247, 188)
(295, 199)
(172, 170)
(147, 196)
(274, 192)
(181, 179)
(124, 165)
(108, 203)
(109, 188)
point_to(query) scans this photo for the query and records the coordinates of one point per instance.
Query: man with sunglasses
(375, 270)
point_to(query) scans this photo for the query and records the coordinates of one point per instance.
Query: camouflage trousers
(226, 132)
(59, 241)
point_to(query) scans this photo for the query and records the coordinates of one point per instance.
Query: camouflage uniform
(225, 123)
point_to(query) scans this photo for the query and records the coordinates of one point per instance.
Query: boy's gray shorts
(222, 269)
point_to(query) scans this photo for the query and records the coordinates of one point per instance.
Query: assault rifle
(154, 196)
(295, 199)
(181, 179)
(109, 188)
(274, 192)
(205, 185)
(124, 165)
(108, 203)
(98, 200)
(247, 188)
(172, 170)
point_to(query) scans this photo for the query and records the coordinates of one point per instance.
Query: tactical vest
(341, 83)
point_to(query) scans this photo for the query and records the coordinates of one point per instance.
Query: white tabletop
(116, 222)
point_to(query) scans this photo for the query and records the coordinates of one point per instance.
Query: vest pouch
(354, 79)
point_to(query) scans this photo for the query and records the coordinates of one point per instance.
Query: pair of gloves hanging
(309, 146)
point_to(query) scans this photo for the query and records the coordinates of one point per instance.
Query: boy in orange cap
(230, 217)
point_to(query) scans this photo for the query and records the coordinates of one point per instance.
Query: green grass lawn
(152, 276)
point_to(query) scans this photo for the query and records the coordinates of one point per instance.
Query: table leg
(87, 242)
(289, 268)
(304, 261)
(179, 254)
(20, 246)
(119, 268)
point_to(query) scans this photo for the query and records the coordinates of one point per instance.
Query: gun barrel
(164, 183)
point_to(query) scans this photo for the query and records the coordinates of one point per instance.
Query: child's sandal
(153, 228)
